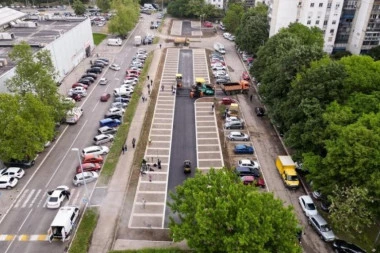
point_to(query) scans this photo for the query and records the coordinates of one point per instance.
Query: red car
(88, 167)
(227, 101)
(91, 158)
(245, 76)
(104, 97)
(247, 180)
(207, 24)
(85, 86)
(76, 97)
(133, 72)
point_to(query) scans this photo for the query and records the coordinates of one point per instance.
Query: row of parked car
(219, 68)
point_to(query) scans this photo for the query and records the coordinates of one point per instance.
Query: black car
(122, 99)
(113, 116)
(85, 81)
(102, 62)
(27, 163)
(94, 70)
(97, 65)
(246, 171)
(259, 111)
(92, 75)
(92, 80)
(104, 59)
(341, 246)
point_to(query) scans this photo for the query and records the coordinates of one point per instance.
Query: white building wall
(217, 3)
(359, 26)
(310, 13)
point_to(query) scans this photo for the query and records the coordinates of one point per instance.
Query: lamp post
(81, 169)
(200, 27)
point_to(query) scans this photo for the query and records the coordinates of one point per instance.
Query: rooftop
(7, 15)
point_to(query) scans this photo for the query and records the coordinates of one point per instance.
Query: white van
(137, 41)
(74, 115)
(64, 223)
(219, 47)
(114, 42)
(121, 92)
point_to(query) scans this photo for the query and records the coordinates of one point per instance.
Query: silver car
(238, 136)
(322, 228)
(87, 176)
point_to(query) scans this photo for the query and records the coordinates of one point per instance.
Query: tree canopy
(126, 17)
(79, 7)
(217, 213)
(193, 9)
(233, 17)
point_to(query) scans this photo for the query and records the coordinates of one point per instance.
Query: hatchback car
(81, 178)
(227, 101)
(259, 111)
(104, 97)
(79, 85)
(57, 196)
(248, 163)
(96, 150)
(307, 205)
(243, 149)
(115, 111)
(7, 182)
(119, 105)
(92, 158)
(27, 163)
(13, 172)
(222, 80)
(115, 67)
(85, 81)
(245, 76)
(207, 24)
(237, 124)
(78, 90)
(238, 136)
(107, 130)
(103, 81)
(322, 228)
(103, 138)
(92, 75)
(88, 167)
(341, 246)
(246, 171)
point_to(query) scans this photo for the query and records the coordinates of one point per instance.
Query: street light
(81, 169)
(200, 27)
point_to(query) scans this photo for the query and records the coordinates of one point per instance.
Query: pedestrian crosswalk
(38, 198)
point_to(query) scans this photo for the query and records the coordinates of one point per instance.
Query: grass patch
(122, 134)
(98, 38)
(83, 235)
(167, 250)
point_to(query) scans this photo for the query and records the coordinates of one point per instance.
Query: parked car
(90, 75)
(87, 177)
(243, 149)
(107, 130)
(105, 63)
(130, 72)
(94, 70)
(226, 35)
(238, 136)
(27, 163)
(220, 74)
(233, 119)
(92, 158)
(307, 205)
(321, 227)
(234, 125)
(57, 196)
(119, 105)
(103, 81)
(248, 163)
(115, 111)
(96, 150)
(222, 80)
(79, 85)
(76, 97)
(122, 99)
(207, 24)
(260, 111)
(227, 101)
(245, 76)
(115, 67)
(85, 81)
(97, 65)
(12, 172)
(104, 59)
(103, 138)
(341, 246)
(88, 167)
(89, 78)
(114, 116)
(104, 97)
(246, 171)
(7, 182)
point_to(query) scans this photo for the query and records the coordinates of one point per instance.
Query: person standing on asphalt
(151, 82)
(212, 107)
(147, 77)
(133, 142)
(162, 87)
(250, 98)
(123, 149)
(160, 46)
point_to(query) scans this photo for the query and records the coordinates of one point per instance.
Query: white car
(7, 182)
(226, 35)
(135, 68)
(307, 205)
(129, 81)
(220, 74)
(13, 172)
(68, 100)
(115, 67)
(119, 104)
(218, 68)
(231, 38)
(78, 90)
(238, 136)
(233, 118)
(96, 150)
(115, 111)
(107, 130)
(128, 87)
(248, 163)
(57, 196)
(87, 176)
(103, 81)
(103, 138)
(141, 51)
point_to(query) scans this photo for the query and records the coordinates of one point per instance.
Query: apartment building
(324, 14)
(217, 3)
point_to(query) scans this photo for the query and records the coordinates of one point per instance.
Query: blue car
(243, 149)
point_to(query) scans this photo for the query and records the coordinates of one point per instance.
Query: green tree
(233, 17)
(188, 8)
(177, 8)
(349, 212)
(104, 5)
(35, 73)
(27, 125)
(127, 14)
(375, 53)
(253, 31)
(217, 213)
(79, 7)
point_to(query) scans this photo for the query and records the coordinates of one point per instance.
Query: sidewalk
(109, 211)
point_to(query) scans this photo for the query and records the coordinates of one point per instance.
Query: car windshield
(325, 228)
(310, 206)
(53, 199)
(292, 178)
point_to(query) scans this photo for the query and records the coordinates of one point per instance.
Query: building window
(320, 4)
(331, 30)
(325, 22)
(337, 6)
(309, 22)
(312, 5)
(334, 22)
(317, 22)
(328, 5)
(330, 39)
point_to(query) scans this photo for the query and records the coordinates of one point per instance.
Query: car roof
(5, 178)
(245, 161)
(235, 133)
(321, 221)
(12, 169)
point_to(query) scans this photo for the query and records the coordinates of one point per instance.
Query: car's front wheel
(9, 187)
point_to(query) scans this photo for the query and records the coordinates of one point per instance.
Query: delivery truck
(235, 88)
(287, 169)
(64, 223)
(114, 42)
